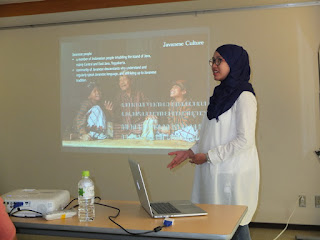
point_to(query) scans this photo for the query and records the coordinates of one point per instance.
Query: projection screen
(134, 91)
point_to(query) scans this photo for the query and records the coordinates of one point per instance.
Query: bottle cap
(85, 173)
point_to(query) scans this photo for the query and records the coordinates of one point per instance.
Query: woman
(227, 170)
(91, 119)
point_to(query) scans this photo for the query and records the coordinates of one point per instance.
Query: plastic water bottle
(86, 212)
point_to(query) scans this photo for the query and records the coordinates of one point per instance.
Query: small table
(221, 223)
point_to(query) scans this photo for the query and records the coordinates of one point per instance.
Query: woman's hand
(108, 105)
(198, 158)
(180, 156)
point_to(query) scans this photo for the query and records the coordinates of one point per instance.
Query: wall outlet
(317, 201)
(302, 201)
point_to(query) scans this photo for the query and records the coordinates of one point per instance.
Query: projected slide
(134, 92)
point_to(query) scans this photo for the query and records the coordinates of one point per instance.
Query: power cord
(156, 229)
(77, 205)
(12, 214)
(296, 204)
(16, 206)
(19, 204)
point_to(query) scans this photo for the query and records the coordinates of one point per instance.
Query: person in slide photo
(130, 110)
(91, 118)
(180, 117)
(7, 229)
(225, 156)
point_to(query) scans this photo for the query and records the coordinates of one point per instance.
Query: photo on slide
(129, 92)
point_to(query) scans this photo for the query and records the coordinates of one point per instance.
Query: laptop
(176, 208)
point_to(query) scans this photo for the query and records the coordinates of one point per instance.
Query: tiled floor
(256, 234)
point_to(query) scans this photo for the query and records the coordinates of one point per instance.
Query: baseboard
(282, 226)
(306, 238)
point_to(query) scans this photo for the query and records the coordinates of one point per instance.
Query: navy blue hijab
(237, 81)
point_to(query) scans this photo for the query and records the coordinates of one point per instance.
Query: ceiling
(19, 13)
(13, 8)
(16, 1)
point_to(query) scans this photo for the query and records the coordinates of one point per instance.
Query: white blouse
(232, 175)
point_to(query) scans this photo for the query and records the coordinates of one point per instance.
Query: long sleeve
(81, 119)
(179, 115)
(245, 117)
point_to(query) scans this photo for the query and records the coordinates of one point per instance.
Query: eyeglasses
(216, 61)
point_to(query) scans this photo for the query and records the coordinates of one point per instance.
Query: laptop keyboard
(164, 207)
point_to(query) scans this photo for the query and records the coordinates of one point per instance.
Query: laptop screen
(140, 186)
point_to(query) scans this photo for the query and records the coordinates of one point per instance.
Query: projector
(23, 202)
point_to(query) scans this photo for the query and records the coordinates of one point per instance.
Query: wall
(283, 46)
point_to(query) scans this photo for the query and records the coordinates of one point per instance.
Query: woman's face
(124, 83)
(220, 71)
(176, 91)
(95, 95)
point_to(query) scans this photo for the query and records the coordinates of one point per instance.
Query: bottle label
(87, 192)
